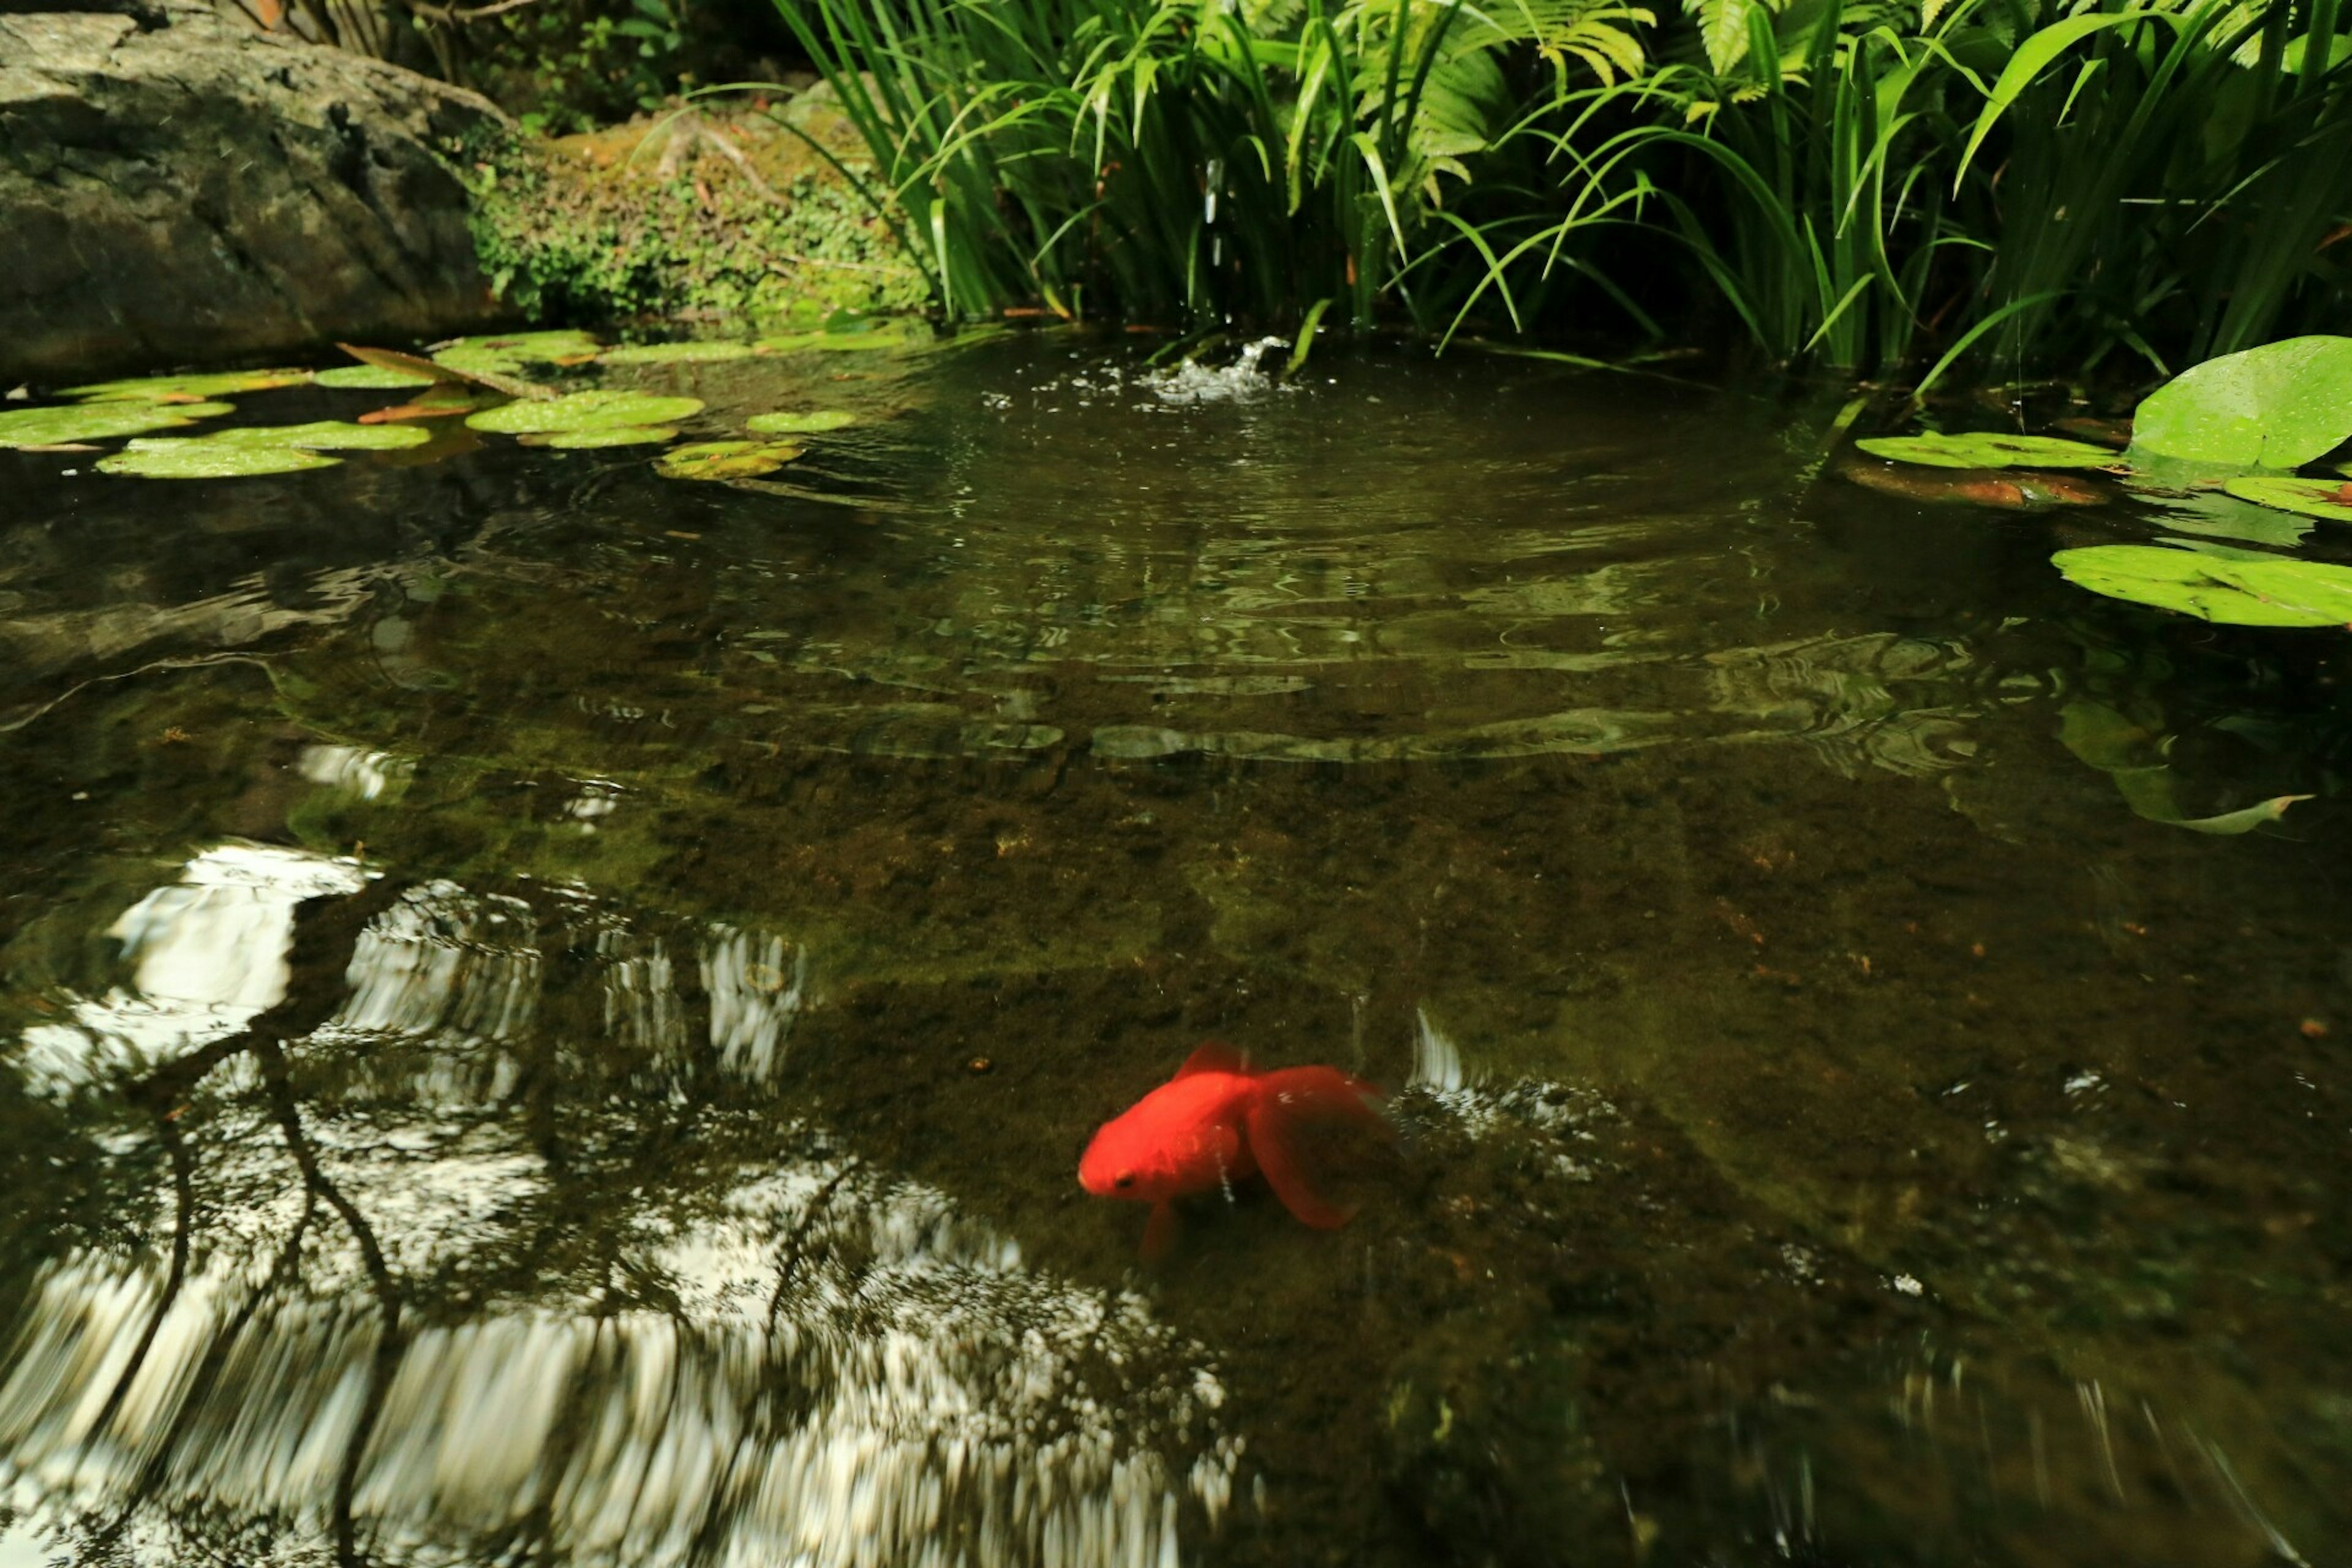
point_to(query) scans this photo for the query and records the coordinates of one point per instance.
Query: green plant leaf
(726, 459)
(2270, 591)
(598, 410)
(1978, 449)
(605, 435)
(2277, 406)
(201, 457)
(811, 424)
(371, 378)
(676, 354)
(59, 426)
(186, 388)
(2329, 499)
(506, 352)
(323, 436)
(2244, 821)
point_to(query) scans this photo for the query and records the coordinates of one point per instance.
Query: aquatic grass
(1865, 186)
(1178, 161)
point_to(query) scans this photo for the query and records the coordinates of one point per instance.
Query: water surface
(551, 1013)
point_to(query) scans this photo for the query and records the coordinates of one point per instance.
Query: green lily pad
(2313, 497)
(2272, 590)
(605, 435)
(2277, 406)
(165, 388)
(599, 410)
(506, 353)
(202, 457)
(726, 459)
(369, 378)
(59, 426)
(676, 354)
(812, 423)
(1985, 449)
(324, 436)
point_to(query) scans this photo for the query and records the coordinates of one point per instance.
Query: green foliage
(562, 66)
(1867, 185)
(562, 238)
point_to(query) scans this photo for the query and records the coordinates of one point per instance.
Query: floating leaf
(2009, 490)
(508, 351)
(202, 457)
(811, 424)
(324, 436)
(676, 354)
(2313, 498)
(726, 459)
(599, 410)
(2243, 821)
(433, 370)
(2271, 591)
(371, 378)
(186, 388)
(605, 436)
(72, 423)
(2277, 406)
(1986, 450)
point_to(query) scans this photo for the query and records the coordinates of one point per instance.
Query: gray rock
(179, 188)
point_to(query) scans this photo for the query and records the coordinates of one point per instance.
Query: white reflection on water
(847, 1372)
(206, 954)
(809, 1360)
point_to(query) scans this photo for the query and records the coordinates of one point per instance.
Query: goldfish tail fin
(1286, 1098)
(1159, 1232)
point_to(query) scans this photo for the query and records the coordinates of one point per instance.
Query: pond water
(551, 1011)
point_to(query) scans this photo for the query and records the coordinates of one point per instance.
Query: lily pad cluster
(726, 459)
(256, 449)
(72, 424)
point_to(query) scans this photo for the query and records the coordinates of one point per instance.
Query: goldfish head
(1117, 1162)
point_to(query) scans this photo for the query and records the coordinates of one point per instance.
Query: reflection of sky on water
(826, 1363)
(205, 953)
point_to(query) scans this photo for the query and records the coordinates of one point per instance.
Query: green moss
(616, 226)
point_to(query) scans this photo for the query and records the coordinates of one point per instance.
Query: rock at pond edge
(182, 188)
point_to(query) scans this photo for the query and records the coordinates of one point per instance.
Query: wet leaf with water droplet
(323, 436)
(200, 458)
(2277, 406)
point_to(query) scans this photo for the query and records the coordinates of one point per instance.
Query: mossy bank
(702, 213)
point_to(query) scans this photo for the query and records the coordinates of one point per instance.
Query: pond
(551, 1010)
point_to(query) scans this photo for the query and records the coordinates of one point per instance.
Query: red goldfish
(1214, 1123)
